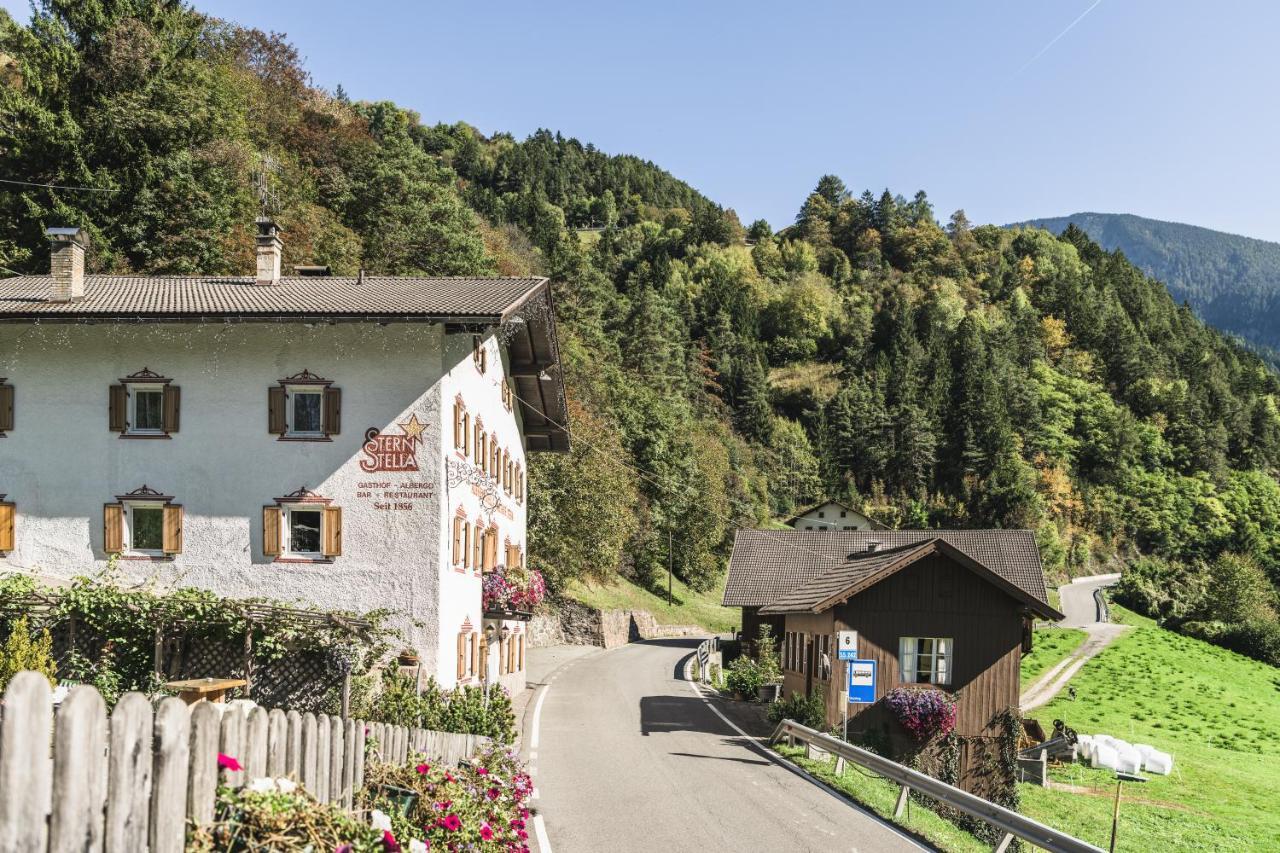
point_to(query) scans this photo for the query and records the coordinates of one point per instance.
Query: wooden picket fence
(83, 780)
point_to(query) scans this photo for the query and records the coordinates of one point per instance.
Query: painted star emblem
(413, 427)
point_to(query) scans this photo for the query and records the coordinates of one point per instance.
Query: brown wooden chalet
(950, 610)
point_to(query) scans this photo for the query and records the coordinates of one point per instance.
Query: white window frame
(941, 660)
(290, 392)
(286, 544)
(134, 390)
(130, 510)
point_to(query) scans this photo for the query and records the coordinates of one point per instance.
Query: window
(8, 512)
(843, 514)
(461, 542)
(506, 394)
(477, 547)
(925, 660)
(468, 652)
(506, 472)
(478, 434)
(143, 405)
(304, 407)
(461, 428)
(495, 459)
(6, 407)
(519, 484)
(479, 354)
(302, 526)
(142, 524)
(482, 452)
(490, 548)
(821, 514)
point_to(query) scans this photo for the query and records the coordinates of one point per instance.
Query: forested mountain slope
(1233, 282)
(937, 376)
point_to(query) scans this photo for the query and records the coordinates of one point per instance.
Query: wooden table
(212, 689)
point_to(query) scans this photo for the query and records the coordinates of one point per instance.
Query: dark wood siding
(751, 621)
(932, 598)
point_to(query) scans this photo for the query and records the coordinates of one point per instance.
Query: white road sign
(847, 645)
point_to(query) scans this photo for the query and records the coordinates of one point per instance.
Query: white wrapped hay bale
(1105, 755)
(1158, 762)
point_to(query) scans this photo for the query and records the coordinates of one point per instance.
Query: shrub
(924, 713)
(767, 655)
(247, 820)
(24, 651)
(808, 710)
(469, 710)
(744, 677)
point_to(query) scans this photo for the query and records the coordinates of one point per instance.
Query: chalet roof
(875, 525)
(135, 298)
(520, 307)
(868, 568)
(767, 565)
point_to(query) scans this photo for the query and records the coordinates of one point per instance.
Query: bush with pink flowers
(925, 713)
(513, 588)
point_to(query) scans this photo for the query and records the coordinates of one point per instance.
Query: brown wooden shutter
(474, 639)
(7, 513)
(332, 411)
(332, 530)
(275, 410)
(271, 531)
(521, 667)
(483, 642)
(511, 654)
(117, 408)
(113, 528)
(172, 529)
(462, 655)
(172, 399)
(502, 655)
(457, 540)
(6, 408)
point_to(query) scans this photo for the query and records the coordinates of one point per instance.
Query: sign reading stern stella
(392, 453)
(386, 452)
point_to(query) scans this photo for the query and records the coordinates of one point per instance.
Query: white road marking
(540, 829)
(537, 717)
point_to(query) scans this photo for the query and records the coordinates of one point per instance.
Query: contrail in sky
(1058, 36)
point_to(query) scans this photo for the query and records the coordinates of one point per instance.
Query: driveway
(1081, 610)
(627, 756)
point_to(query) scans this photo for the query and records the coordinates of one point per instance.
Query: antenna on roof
(264, 184)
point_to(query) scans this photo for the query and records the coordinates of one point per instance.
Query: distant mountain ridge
(1232, 282)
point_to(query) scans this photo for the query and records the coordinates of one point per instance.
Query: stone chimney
(66, 263)
(269, 249)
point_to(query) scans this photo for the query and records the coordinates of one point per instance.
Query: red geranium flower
(485, 832)
(226, 762)
(423, 769)
(482, 771)
(452, 823)
(389, 842)
(493, 793)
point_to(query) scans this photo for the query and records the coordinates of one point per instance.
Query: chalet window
(302, 526)
(490, 549)
(506, 472)
(8, 512)
(482, 451)
(468, 653)
(506, 394)
(143, 523)
(461, 428)
(519, 477)
(477, 547)
(925, 660)
(304, 407)
(144, 405)
(479, 354)
(461, 542)
(6, 407)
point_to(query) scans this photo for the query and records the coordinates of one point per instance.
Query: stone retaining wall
(574, 623)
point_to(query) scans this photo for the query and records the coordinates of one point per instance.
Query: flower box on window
(512, 592)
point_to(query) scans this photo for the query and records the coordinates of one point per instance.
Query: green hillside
(1233, 282)
(1216, 712)
(933, 374)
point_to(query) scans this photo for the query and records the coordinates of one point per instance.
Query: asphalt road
(1078, 604)
(1081, 610)
(629, 758)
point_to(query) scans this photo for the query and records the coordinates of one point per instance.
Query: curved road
(1081, 610)
(630, 758)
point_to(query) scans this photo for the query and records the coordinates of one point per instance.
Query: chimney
(873, 546)
(66, 263)
(269, 248)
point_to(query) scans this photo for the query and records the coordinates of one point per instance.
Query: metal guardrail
(1100, 600)
(1010, 822)
(705, 648)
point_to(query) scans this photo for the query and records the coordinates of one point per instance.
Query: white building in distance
(351, 443)
(833, 516)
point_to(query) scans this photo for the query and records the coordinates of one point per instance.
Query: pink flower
(485, 832)
(423, 769)
(449, 777)
(482, 771)
(517, 824)
(492, 793)
(452, 823)
(522, 835)
(343, 848)
(226, 762)
(389, 842)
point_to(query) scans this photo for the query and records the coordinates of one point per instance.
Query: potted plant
(408, 657)
(512, 590)
(770, 667)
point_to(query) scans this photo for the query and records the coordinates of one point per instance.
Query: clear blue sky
(1164, 109)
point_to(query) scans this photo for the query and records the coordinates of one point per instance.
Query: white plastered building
(296, 438)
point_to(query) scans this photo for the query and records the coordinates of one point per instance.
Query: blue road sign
(862, 681)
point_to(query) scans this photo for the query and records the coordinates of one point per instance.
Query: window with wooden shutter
(495, 461)
(521, 667)
(477, 547)
(172, 402)
(332, 531)
(271, 531)
(117, 408)
(511, 654)
(490, 549)
(473, 639)
(8, 512)
(6, 407)
(275, 410)
(502, 655)
(459, 548)
(483, 671)
(462, 655)
(466, 544)
(172, 542)
(113, 528)
(332, 411)
(458, 429)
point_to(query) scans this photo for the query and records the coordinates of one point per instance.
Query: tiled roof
(769, 564)
(806, 596)
(176, 297)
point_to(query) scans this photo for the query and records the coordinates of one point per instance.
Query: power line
(58, 186)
